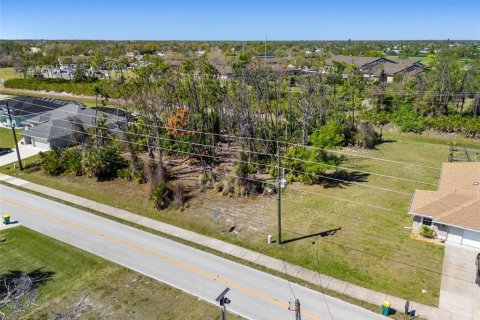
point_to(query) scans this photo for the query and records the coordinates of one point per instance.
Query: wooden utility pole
(265, 53)
(298, 316)
(14, 135)
(279, 196)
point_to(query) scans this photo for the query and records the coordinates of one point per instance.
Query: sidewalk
(354, 291)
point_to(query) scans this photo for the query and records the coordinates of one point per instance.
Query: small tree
(329, 136)
(161, 196)
(102, 163)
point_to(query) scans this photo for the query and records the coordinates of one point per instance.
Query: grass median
(105, 290)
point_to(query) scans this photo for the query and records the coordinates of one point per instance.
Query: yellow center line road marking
(172, 261)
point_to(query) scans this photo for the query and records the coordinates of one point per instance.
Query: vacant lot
(373, 248)
(8, 73)
(109, 291)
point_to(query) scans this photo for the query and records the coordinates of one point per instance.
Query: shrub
(329, 136)
(228, 186)
(240, 187)
(243, 169)
(161, 196)
(407, 120)
(73, 161)
(125, 173)
(468, 125)
(102, 163)
(378, 118)
(52, 163)
(307, 165)
(427, 232)
(58, 85)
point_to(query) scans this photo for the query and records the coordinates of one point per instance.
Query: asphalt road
(253, 294)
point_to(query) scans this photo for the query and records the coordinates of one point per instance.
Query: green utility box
(6, 219)
(386, 308)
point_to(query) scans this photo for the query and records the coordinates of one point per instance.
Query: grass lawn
(6, 137)
(9, 73)
(112, 291)
(373, 249)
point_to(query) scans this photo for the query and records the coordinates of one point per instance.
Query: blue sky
(239, 20)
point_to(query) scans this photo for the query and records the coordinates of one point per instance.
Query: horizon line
(232, 40)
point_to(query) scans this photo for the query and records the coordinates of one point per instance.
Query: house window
(427, 221)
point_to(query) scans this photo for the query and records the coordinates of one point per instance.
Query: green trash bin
(6, 219)
(386, 308)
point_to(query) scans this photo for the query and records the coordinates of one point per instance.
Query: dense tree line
(13, 53)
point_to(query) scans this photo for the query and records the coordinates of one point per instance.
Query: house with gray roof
(67, 126)
(24, 108)
(378, 68)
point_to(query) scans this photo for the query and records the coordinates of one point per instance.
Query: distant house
(61, 128)
(70, 62)
(400, 67)
(23, 108)
(224, 71)
(453, 211)
(271, 60)
(376, 68)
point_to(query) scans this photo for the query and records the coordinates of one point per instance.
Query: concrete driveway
(458, 293)
(26, 151)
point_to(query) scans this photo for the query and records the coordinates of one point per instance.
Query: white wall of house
(464, 237)
(40, 144)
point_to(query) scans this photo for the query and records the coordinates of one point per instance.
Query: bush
(427, 232)
(228, 186)
(58, 85)
(378, 118)
(52, 163)
(407, 120)
(73, 161)
(243, 168)
(329, 136)
(468, 125)
(125, 173)
(102, 163)
(161, 196)
(307, 165)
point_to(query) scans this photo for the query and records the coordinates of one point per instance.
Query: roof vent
(476, 183)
